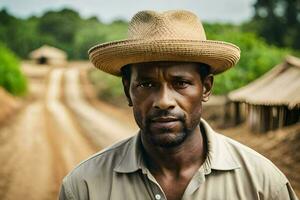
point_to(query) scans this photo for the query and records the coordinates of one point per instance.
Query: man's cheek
(138, 116)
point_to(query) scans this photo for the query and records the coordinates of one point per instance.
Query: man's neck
(188, 156)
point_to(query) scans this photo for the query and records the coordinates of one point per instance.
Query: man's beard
(168, 138)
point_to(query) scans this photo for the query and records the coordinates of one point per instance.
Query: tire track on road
(69, 147)
(102, 129)
(45, 141)
(26, 157)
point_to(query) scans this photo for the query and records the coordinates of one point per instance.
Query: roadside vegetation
(257, 57)
(11, 77)
(108, 87)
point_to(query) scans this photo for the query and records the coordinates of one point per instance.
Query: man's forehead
(173, 68)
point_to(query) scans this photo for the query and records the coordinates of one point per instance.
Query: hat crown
(176, 24)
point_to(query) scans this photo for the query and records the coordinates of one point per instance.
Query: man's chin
(168, 140)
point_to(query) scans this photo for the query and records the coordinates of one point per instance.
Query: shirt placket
(194, 184)
(157, 191)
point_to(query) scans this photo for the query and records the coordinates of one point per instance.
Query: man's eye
(181, 84)
(146, 85)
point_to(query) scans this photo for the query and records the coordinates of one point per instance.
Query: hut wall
(257, 118)
(228, 120)
(240, 112)
(235, 113)
(292, 116)
(57, 62)
(265, 118)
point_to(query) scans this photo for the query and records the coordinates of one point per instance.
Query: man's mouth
(164, 123)
(164, 119)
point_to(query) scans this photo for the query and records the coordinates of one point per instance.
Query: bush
(108, 87)
(257, 57)
(11, 77)
(93, 32)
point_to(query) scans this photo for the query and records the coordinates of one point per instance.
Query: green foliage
(93, 32)
(109, 88)
(278, 21)
(60, 29)
(61, 25)
(257, 57)
(21, 36)
(63, 29)
(11, 77)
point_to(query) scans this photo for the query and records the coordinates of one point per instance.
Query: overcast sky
(234, 11)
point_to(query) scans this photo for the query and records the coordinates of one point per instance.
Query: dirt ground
(9, 105)
(51, 134)
(62, 123)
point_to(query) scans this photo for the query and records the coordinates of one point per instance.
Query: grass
(109, 88)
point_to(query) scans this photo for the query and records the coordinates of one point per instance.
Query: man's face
(167, 100)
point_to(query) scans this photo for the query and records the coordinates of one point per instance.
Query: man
(167, 69)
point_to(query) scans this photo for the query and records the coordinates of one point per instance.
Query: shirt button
(157, 197)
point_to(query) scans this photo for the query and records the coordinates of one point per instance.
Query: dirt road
(92, 120)
(51, 135)
(59, 128)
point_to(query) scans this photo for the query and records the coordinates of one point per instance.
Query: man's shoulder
(248, 157)
(102, 162)
(254, 167)
(94, 171)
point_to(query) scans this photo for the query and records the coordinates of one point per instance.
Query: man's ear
(126, 86)
(207, 87)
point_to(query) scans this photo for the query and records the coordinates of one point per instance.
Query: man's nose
(164, 99)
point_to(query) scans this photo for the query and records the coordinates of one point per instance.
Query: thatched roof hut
(49, 55)
(273, 100)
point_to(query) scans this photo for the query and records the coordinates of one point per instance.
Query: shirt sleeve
(65, 193)
(62, 193)
(286, 193)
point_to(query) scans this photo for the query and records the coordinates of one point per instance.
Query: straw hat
(169, 36)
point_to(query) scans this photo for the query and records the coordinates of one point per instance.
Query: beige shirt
(231, 171)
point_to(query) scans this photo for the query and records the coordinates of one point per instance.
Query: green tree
(278, 21)
(64, 29)
(11, 77)
(93, 32)
(6, 18)
(8, 28)
(257, 57)
(90, 34)
(61, 25)
(21, 35)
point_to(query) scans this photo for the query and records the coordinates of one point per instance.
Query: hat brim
(111, 57)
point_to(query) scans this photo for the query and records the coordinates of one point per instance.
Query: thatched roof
(48, 52)
(279, 86)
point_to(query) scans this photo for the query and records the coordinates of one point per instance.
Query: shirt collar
(132, 160)
(219, 156)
